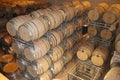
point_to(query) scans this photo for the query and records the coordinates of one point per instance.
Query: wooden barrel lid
(10, 67)
(93, 15)
(106, 34)
(6, 58)
(11, 29)
(92, 31)
(24, 33)
(82, 55)
(97, 60)
(109, 17)
(117, 38)
(29, 53)
(117, 46)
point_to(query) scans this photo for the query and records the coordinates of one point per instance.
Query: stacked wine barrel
(113, 73)
(44, 39)
(105, 18)
(14, 8)
(88, 51)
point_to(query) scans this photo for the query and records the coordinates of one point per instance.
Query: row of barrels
(113, 73)
(15, 8)
(104, 33)
(51, 18)
(42, 46)
(45, 53)
(44, 67)
(87, 50)
(109, 13)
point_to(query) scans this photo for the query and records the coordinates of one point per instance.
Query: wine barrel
(55, 37)
(97, 12)
(105, 5)
(41, 47)
(31, 30)
(115, 60)
(68, 56)
(106, 34)
(111, 15)
(40, 66)
(18, 47)
(13, 25)
(7, 58)
(92, 31)
(99, 55)
(70, 13)
(113, 74)
(57, 67)
(57, 53)
(85, 50)
(68, 29)
(46, 76)
(117, 43)
(10, 67)
(69, 43)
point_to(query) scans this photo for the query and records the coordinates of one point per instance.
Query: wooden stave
(57, 53)
(57, 67)
(92, 31)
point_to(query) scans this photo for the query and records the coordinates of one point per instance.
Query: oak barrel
(46, 76)
(97, 12)
(85, 50)
(10, 67)
(111, 15)
(33, 29)
(113, 74)
(40, 66)
(99, 55)
(57, 53)
(68, 56)
(57, 67)
(92, 31)
(41, 47)
(13, 25)
(55, 37)
(106, 34)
